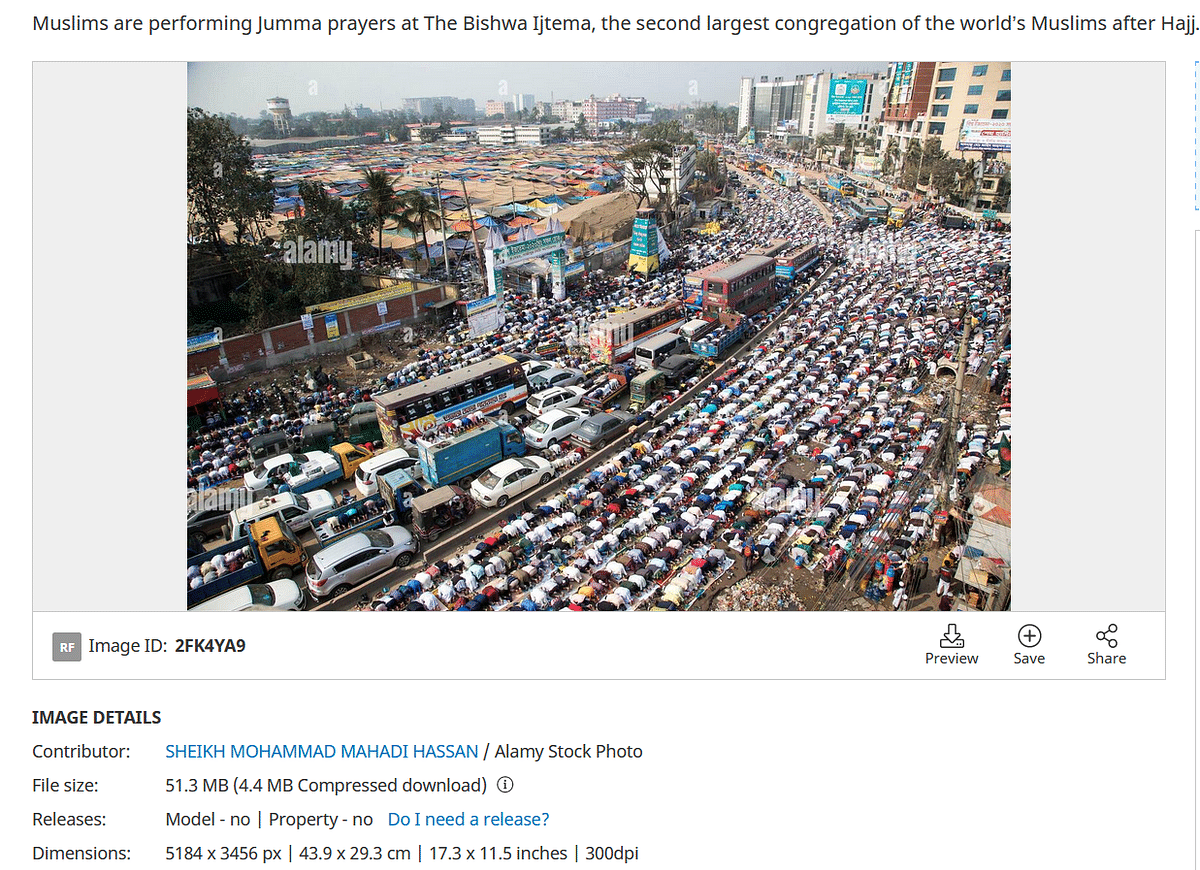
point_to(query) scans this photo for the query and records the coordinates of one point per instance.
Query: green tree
(222, 184)
(322, 218)
(713, 180)
(670, 131)
(849, 142)
(379, 199)
(891, 155)
(415, 213)
(914, 156)
(642, 162)
(966, 181)
(823, 145)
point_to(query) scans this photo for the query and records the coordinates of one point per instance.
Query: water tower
(281, 115)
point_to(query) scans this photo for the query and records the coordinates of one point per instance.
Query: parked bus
(773, 248)
(747, 287)
(855, 208)
(873, 209)
(693, 284)
(839, 187)
(788, 266)
(496, 384)
(614, 338)
(654, 350)
(900, 214)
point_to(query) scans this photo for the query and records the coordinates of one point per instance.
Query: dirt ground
(389, 349)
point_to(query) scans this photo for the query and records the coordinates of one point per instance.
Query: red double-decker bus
(747, 286)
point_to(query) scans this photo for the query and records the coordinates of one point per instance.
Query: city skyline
(243, 88)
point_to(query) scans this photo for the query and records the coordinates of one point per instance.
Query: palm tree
(891, 156)
(379, 198)
(414, 211)
(914, 157)
(849, 141)
(824, 143)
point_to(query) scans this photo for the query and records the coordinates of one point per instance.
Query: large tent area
(506, 189)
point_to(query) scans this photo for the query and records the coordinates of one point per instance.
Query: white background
(762, 774)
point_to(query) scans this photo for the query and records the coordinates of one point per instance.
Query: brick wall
(290, 342)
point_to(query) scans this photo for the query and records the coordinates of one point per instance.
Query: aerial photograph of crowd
(640, 352)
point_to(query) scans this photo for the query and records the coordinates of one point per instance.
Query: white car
(555, 397)
(276, 595)
(271, 471)
(555, 377)
(533, 366)
(554, 426)
(357, 558)
(509, 479)
(366, 478)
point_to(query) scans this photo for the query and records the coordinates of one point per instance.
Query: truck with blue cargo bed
(716, 344)
(450, 459)
(270, 552)
(357, 516)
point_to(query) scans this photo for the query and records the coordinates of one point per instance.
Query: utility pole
(955, 409)
(437, 180)
(474, 237)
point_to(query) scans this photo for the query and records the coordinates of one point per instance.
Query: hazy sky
(243, 88)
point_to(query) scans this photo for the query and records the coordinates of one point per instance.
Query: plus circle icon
(1029, 635)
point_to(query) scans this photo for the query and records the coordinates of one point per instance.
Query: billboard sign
(203, 342)
(982, 135)
(474, 306)
(902, 82)
(847, 100)
(485, 322)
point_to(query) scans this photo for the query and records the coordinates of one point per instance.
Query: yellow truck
(270, 552)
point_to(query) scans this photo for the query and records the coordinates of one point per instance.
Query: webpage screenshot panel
(795, 422)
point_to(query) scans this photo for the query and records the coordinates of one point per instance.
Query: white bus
(654, 350)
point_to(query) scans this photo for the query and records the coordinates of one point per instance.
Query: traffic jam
(787, 415)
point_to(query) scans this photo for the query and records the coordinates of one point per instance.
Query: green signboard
(645, 238)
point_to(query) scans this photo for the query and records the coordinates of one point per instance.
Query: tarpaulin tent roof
(605, 217)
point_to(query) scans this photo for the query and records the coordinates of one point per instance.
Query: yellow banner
(402, 288)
